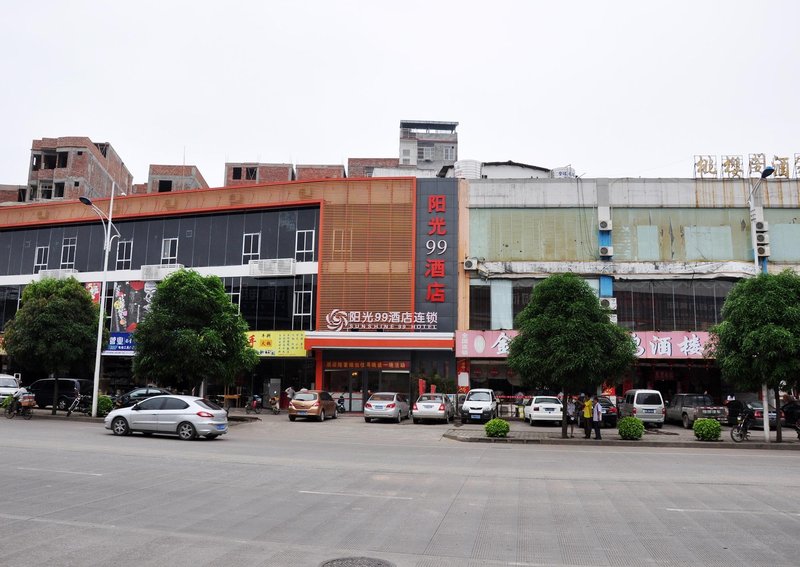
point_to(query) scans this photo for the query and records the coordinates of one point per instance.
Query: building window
(425, 153)
(342, 244)
(480, 307)
(124, 254)
(406, 161)
(46, 190)
(304, 246)
(251, 247)
(40, 263)
(61, 159)
(169, 252)
(68, 253)
(164, 185)
(59, 191)
(233, 289)
(250, 173)
(36, 165)
(49, 161)
(303, 304)
(449, 153)
(236, 173)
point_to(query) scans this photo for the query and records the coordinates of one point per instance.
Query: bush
(497, 428)
(630, 428)
(104, 406)
(707, 429)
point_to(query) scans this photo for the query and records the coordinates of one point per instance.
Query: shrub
(6, 402)
(630, 428)
(104, 406)
(707, 429)
(497, 428)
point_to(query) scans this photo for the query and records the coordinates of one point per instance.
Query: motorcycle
(81, 404)
(741, 430)
(253, 404)
(340, 409)
(274, 405)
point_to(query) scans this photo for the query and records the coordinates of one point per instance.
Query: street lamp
(105, 220)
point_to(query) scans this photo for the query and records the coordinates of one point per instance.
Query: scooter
(274, 405)
(340, 409)
(253, 404)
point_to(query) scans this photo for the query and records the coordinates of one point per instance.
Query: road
(276, 493)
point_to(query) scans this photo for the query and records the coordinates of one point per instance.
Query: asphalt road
(300, 494)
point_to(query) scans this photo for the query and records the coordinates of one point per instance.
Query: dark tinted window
(174, 404)
(151, 404)
(648, 399)
(480, 307)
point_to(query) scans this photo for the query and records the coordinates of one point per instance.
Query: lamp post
(751, 202)
(105, 220)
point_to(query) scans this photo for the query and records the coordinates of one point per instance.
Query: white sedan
(544, 408)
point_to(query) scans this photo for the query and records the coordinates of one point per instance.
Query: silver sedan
(434, 406)
(387, 405)
(184, 416)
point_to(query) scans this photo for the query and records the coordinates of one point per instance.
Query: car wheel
(530, 421)
(416, 421)
(685, 420)
(62, 405)
(120, 427)
(292, 417)
(211, 436)
(186, 431)
(399, 417)
(367, 419)
(321, 415)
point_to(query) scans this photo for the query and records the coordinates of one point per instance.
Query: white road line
(355, 495)
(761, 513)
(57, 471)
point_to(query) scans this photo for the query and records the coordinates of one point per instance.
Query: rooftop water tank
(467, 169)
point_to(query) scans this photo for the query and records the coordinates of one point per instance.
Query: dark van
(68, 390)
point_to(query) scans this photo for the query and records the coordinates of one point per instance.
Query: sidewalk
(668, 436)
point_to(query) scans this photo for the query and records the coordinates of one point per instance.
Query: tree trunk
(564, 418)
(778, 432)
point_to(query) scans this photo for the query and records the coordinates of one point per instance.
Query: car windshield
(430, 398)
(479, 397)
(382, 397)
(547, 401)
(305, 397)
(648, 399)
(8, 383)
(703, 401)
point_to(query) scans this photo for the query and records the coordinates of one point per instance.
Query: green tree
(758, 341)
(192, 333)
(55, 329)
(566, 340)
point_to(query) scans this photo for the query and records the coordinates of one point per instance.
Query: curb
(783, 446)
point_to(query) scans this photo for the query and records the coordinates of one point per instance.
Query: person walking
(597, 418)
(571, 416)
(587, 418)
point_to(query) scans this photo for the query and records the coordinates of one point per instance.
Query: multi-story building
(167, 178)
(245, 173)
(428, 144)
(71, 167)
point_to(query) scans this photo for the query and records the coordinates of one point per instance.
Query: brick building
(166, 178)
(309, 172)
(251, 173)
(363, 167)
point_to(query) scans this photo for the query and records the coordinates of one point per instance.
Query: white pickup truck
(688, 408)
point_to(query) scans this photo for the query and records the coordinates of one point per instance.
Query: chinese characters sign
(733, 166)
(649, 344)
(373, 364)
(340, 320)
(277, 343)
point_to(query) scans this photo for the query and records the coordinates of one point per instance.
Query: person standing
(587, 418)
(571, 416)
(289, 393)
(597, 417)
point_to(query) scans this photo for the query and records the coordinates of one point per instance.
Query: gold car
(318, 404)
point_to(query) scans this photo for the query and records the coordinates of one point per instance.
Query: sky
(615, 89)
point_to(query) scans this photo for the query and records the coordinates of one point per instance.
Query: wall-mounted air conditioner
(60, 274)
(606, 251)
(604, 218)
(613, 318)
(763, 251)
(272, 267)
(762, 226)
(157, 272)
(609, 303)
(471, 264)
(762, 238)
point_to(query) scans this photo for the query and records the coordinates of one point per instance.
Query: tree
(758, 341)
(55, 329)
(566, 340)
(191, 333)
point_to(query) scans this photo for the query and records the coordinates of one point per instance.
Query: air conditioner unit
(609, 302)
(613, 318)
(61, 274)
(606, 251)
(471, 264)
(157, 272)
(763, 251)
(604, 218)
(762, 226)
(272, 267)
(762, 238)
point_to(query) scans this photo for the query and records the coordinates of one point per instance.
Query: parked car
(68, 390)
(8, 386)
(434, 406)
(184, 416)
(387, 405)
(543, 408)
(791, 413)
(735, 407)
(139, 394)
(647, 405)
(688, 408)
(609, 411)
(318, 404)
(479, 405)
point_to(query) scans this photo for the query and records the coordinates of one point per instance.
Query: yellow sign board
(278, 343)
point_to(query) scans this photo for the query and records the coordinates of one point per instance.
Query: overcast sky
(617, 89)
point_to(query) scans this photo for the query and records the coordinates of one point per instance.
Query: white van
(647, 405)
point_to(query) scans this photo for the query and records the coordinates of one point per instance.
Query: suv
(688, 408)
(8, 386)
(479, 405)
(68, 390)
(138, 394)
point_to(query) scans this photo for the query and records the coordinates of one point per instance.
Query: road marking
(761, 513)
(58, 471)
(355, 495)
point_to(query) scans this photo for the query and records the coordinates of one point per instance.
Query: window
(250, 173)
(174, 404)
(449, 153)
(164, 185)
(480, 307)
(406, 161)
(36, 165)
(233, 289)
(151, 404)
(236, 173)
(303, 304)
(169, 251)
(59, 191)
(49, 161)
(124, 254)
(251, 247)
(46, 190)
(40, 263)
(406, 153)
(61, 159)
(342, 244)
(68, 253)
(304, 246)
(425, 153)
